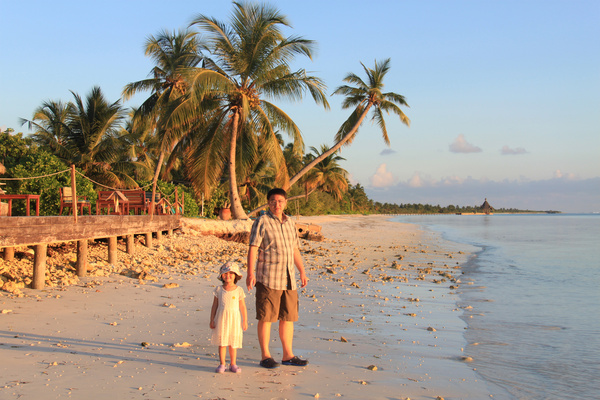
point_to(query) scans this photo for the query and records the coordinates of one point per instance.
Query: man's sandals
(271, 363)
(297, 361)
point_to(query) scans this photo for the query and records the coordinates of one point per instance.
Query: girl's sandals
(235, 368)
(220, 369)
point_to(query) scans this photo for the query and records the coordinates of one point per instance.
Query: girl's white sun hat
(229, 267)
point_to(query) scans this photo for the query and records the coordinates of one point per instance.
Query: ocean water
(531, 300)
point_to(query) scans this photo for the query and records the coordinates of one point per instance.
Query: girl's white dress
(228, 321)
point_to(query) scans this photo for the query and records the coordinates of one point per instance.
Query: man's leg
(286, 335)
(264, 336)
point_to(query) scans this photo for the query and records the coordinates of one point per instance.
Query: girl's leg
(233, 355)
(222, 354)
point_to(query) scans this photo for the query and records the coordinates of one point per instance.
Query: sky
(504, 96)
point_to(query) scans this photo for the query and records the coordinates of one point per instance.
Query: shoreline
(379, 294)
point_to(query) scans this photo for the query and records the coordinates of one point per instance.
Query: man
(274, 251)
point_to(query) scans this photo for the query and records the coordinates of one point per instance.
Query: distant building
(486, 208)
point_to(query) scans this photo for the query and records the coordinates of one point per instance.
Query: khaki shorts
(273, 305)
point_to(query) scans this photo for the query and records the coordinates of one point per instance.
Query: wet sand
(379, 319)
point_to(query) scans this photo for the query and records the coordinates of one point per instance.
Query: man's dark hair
(275, 191)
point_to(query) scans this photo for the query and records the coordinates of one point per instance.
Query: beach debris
(184, 344)
(343, 340)
(113, 324)
(439, 398)
(6, 311)
(431, 329)
(350, 320)
(144, 344)
(411, 314)
(363, 382)
(309, 232)
(317, 395)
(168, 305)
(170, 285)
(372, 368)
(466, 359)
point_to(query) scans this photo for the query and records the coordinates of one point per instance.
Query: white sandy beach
(380, 294)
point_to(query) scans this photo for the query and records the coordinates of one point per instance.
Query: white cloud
(460, 145)
(382, 177)
(507, 151)
(387, 152)
(415, 181)
(558, 174)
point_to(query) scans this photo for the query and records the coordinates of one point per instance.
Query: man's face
(277, 204)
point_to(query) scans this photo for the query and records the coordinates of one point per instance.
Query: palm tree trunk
(154, 182)
(237, 211)
(332, 150)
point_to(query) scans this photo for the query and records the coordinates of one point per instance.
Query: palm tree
(86, 133)
(174, 53)
(364, 96)
(327, 174)
(251, 62)
(94, 139)
(50, 123)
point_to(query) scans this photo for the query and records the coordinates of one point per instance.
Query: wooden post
(158, 236)
(39, 266)
(148, 239)
(82, 255)
(170, 233)
(176, 203)
(130, 244)
(73, 193)
(112, 250)
(9, 253)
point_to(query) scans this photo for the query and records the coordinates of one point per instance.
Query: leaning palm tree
(251, 62)
(364, 96)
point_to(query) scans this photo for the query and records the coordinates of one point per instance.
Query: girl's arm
(213, 313)
(244, 314)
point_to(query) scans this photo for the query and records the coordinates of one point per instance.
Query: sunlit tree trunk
(237, 211)
(155, 181)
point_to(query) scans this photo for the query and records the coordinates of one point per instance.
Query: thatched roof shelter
(486, 208)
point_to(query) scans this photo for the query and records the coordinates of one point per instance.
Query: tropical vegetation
(211, 121)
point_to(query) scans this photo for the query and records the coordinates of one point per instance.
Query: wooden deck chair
(66, 201)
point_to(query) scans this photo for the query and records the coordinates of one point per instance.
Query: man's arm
(300, 266)
(251, 277)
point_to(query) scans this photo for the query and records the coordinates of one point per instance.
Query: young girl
(228, 316)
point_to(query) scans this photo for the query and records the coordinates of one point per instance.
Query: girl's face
(228, 277)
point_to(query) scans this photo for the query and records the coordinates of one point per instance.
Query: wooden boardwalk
(41, 231)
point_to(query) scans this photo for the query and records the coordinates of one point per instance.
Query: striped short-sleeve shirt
(276, 242)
